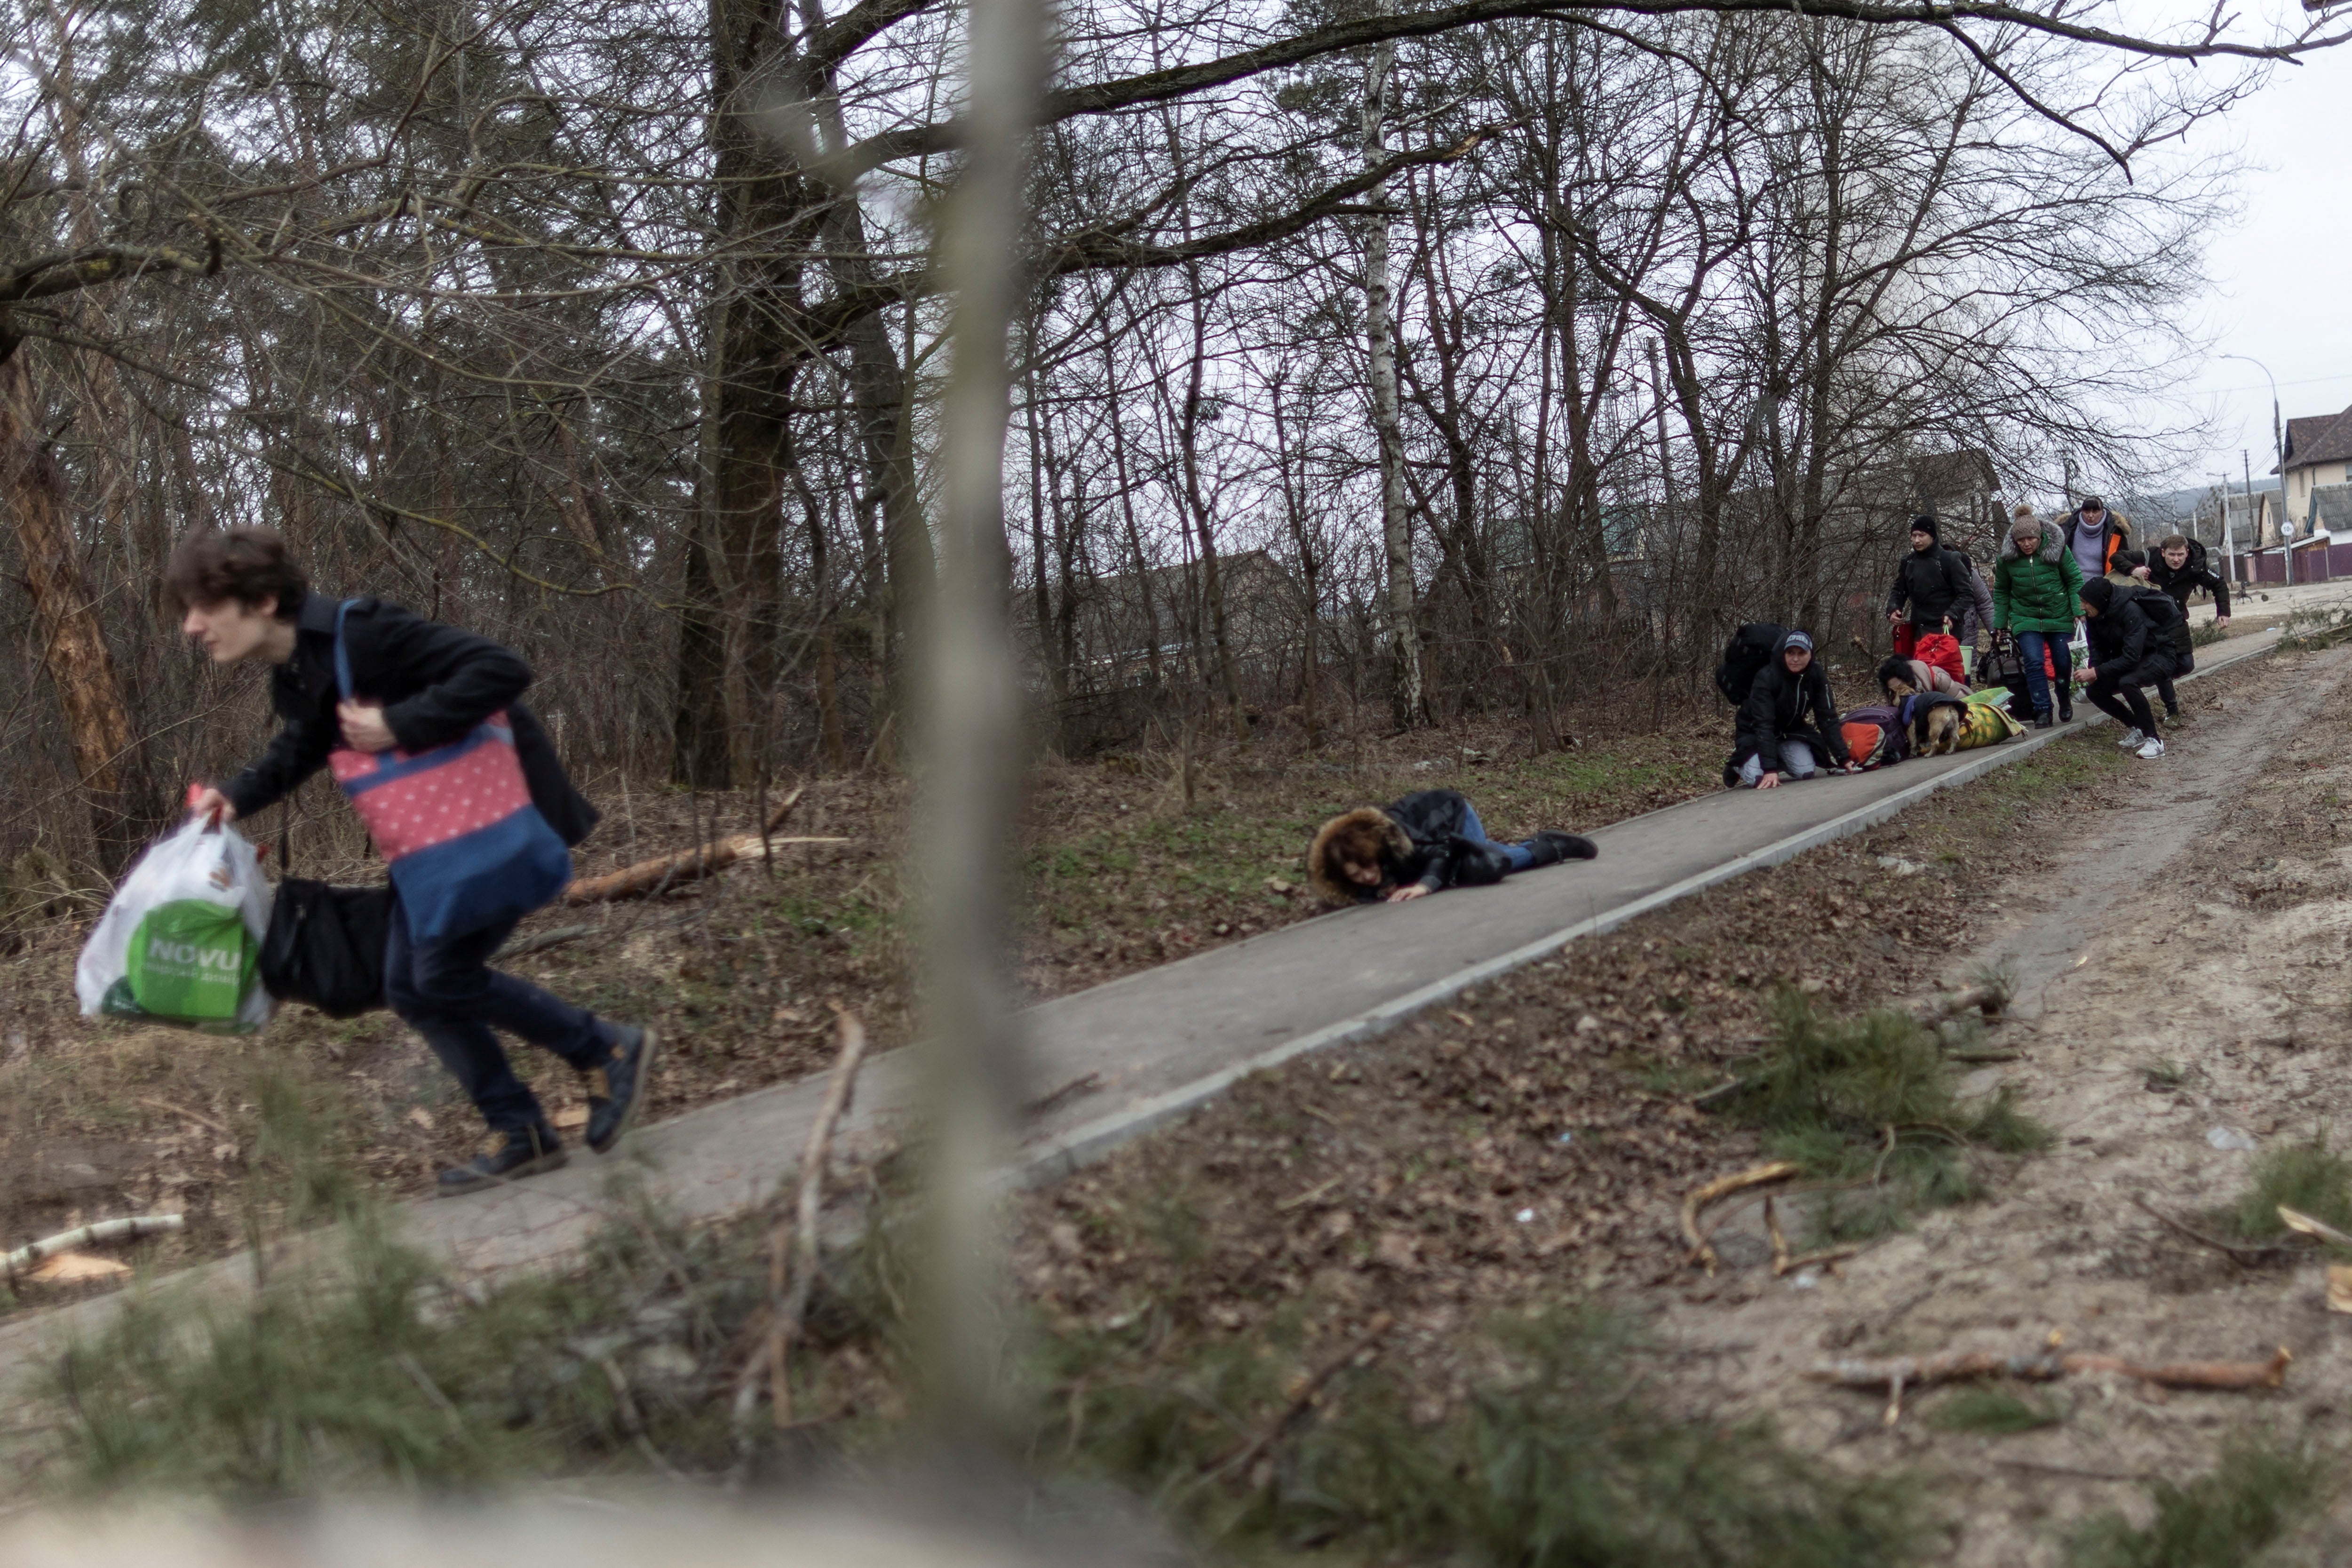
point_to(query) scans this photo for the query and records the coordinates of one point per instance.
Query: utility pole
(2247, 458)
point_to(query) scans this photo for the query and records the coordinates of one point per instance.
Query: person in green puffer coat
(2036, 590)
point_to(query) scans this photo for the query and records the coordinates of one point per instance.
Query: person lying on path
(2179, 567)
(2131, 645)
(416, 685)
(1899, 678)
(1789, 723)
(2036, 586)
(1424, 844)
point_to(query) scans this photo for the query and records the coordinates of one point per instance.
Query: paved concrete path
(1124, 1057)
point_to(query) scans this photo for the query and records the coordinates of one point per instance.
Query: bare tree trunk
(1405, 644)
(1213, 587)
(1057, 674)
(971, 732)
(73, 642)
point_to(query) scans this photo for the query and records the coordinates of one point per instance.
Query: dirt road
(2185, 970)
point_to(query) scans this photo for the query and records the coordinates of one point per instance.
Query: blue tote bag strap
(343, 653)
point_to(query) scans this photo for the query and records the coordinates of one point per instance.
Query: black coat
(1436, 822)
(1936, 582)
(436, 683)
(1784, 707)
(2140, 636)
(2195, 574)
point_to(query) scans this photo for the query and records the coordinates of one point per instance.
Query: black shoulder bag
(324, 946)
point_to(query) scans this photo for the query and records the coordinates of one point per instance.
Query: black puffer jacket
(1422, 841)
(1785, 707)
(2141, 635)
(436, 683)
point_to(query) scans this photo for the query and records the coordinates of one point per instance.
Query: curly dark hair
(1897, 667)
(215, 565)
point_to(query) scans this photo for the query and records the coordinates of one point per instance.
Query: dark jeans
(2125, 704)
(2188, 661)
(447, 992)
(2029, 648)
(1520, 856)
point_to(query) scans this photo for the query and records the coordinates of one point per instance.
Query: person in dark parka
(1936, 584)
(1429, 841)
(1789, 723)
(2135, 636)
(418, 684)
(2179, 568)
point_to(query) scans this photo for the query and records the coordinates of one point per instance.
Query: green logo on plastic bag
(189, 960)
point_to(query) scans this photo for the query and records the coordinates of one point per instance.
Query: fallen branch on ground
(2243, 1254)
(665, 871)
(1240, 1459)
(1895, 1373)
(539, 942)
(791, 1274)
(129, 1229)
(1702, 1251)
(1784, 1264)
(2318, 1229)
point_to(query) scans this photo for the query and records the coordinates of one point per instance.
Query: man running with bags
(465, 798)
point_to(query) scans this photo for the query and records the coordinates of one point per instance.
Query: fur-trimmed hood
(1366, 822)
(2053, 545)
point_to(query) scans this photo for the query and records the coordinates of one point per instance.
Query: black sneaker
(527, 1151)
(614, 1089)
(2065, 712)
(2042, 721)
(1551, 848)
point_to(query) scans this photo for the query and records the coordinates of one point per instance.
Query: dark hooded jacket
(1937, 582)
(1421, 840)
(2141, 634)
(1749, 650)
(436, 683)
(2195, 573)
(1785, 707)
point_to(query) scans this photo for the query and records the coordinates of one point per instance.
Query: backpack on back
(1747, 652)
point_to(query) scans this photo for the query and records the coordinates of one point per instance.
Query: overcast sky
(2283, 275)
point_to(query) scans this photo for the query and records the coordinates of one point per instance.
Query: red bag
(459, 835)
(1941, 650)
(1867, 744)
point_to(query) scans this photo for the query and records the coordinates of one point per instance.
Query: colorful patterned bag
(455, 825)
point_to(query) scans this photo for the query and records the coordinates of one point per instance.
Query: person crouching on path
(2036, 585)
(1429, 841)
(2131, 644)
(416, 685)
(2177, 569)
(1789, 722)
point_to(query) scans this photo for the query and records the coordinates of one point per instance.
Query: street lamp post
(2228, 557)
(2278, 448)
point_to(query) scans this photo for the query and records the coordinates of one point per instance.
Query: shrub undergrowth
(2218, 1520)
(1868, 1106)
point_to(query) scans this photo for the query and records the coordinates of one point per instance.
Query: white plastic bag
(180, 941)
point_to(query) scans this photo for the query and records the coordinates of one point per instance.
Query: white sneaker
(2150, 752)
(2131, 738)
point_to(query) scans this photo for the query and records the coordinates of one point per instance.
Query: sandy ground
(2205, 936)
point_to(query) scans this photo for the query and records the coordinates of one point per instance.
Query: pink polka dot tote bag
(455, 825)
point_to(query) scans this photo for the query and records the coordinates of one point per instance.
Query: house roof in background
(2318, 439)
